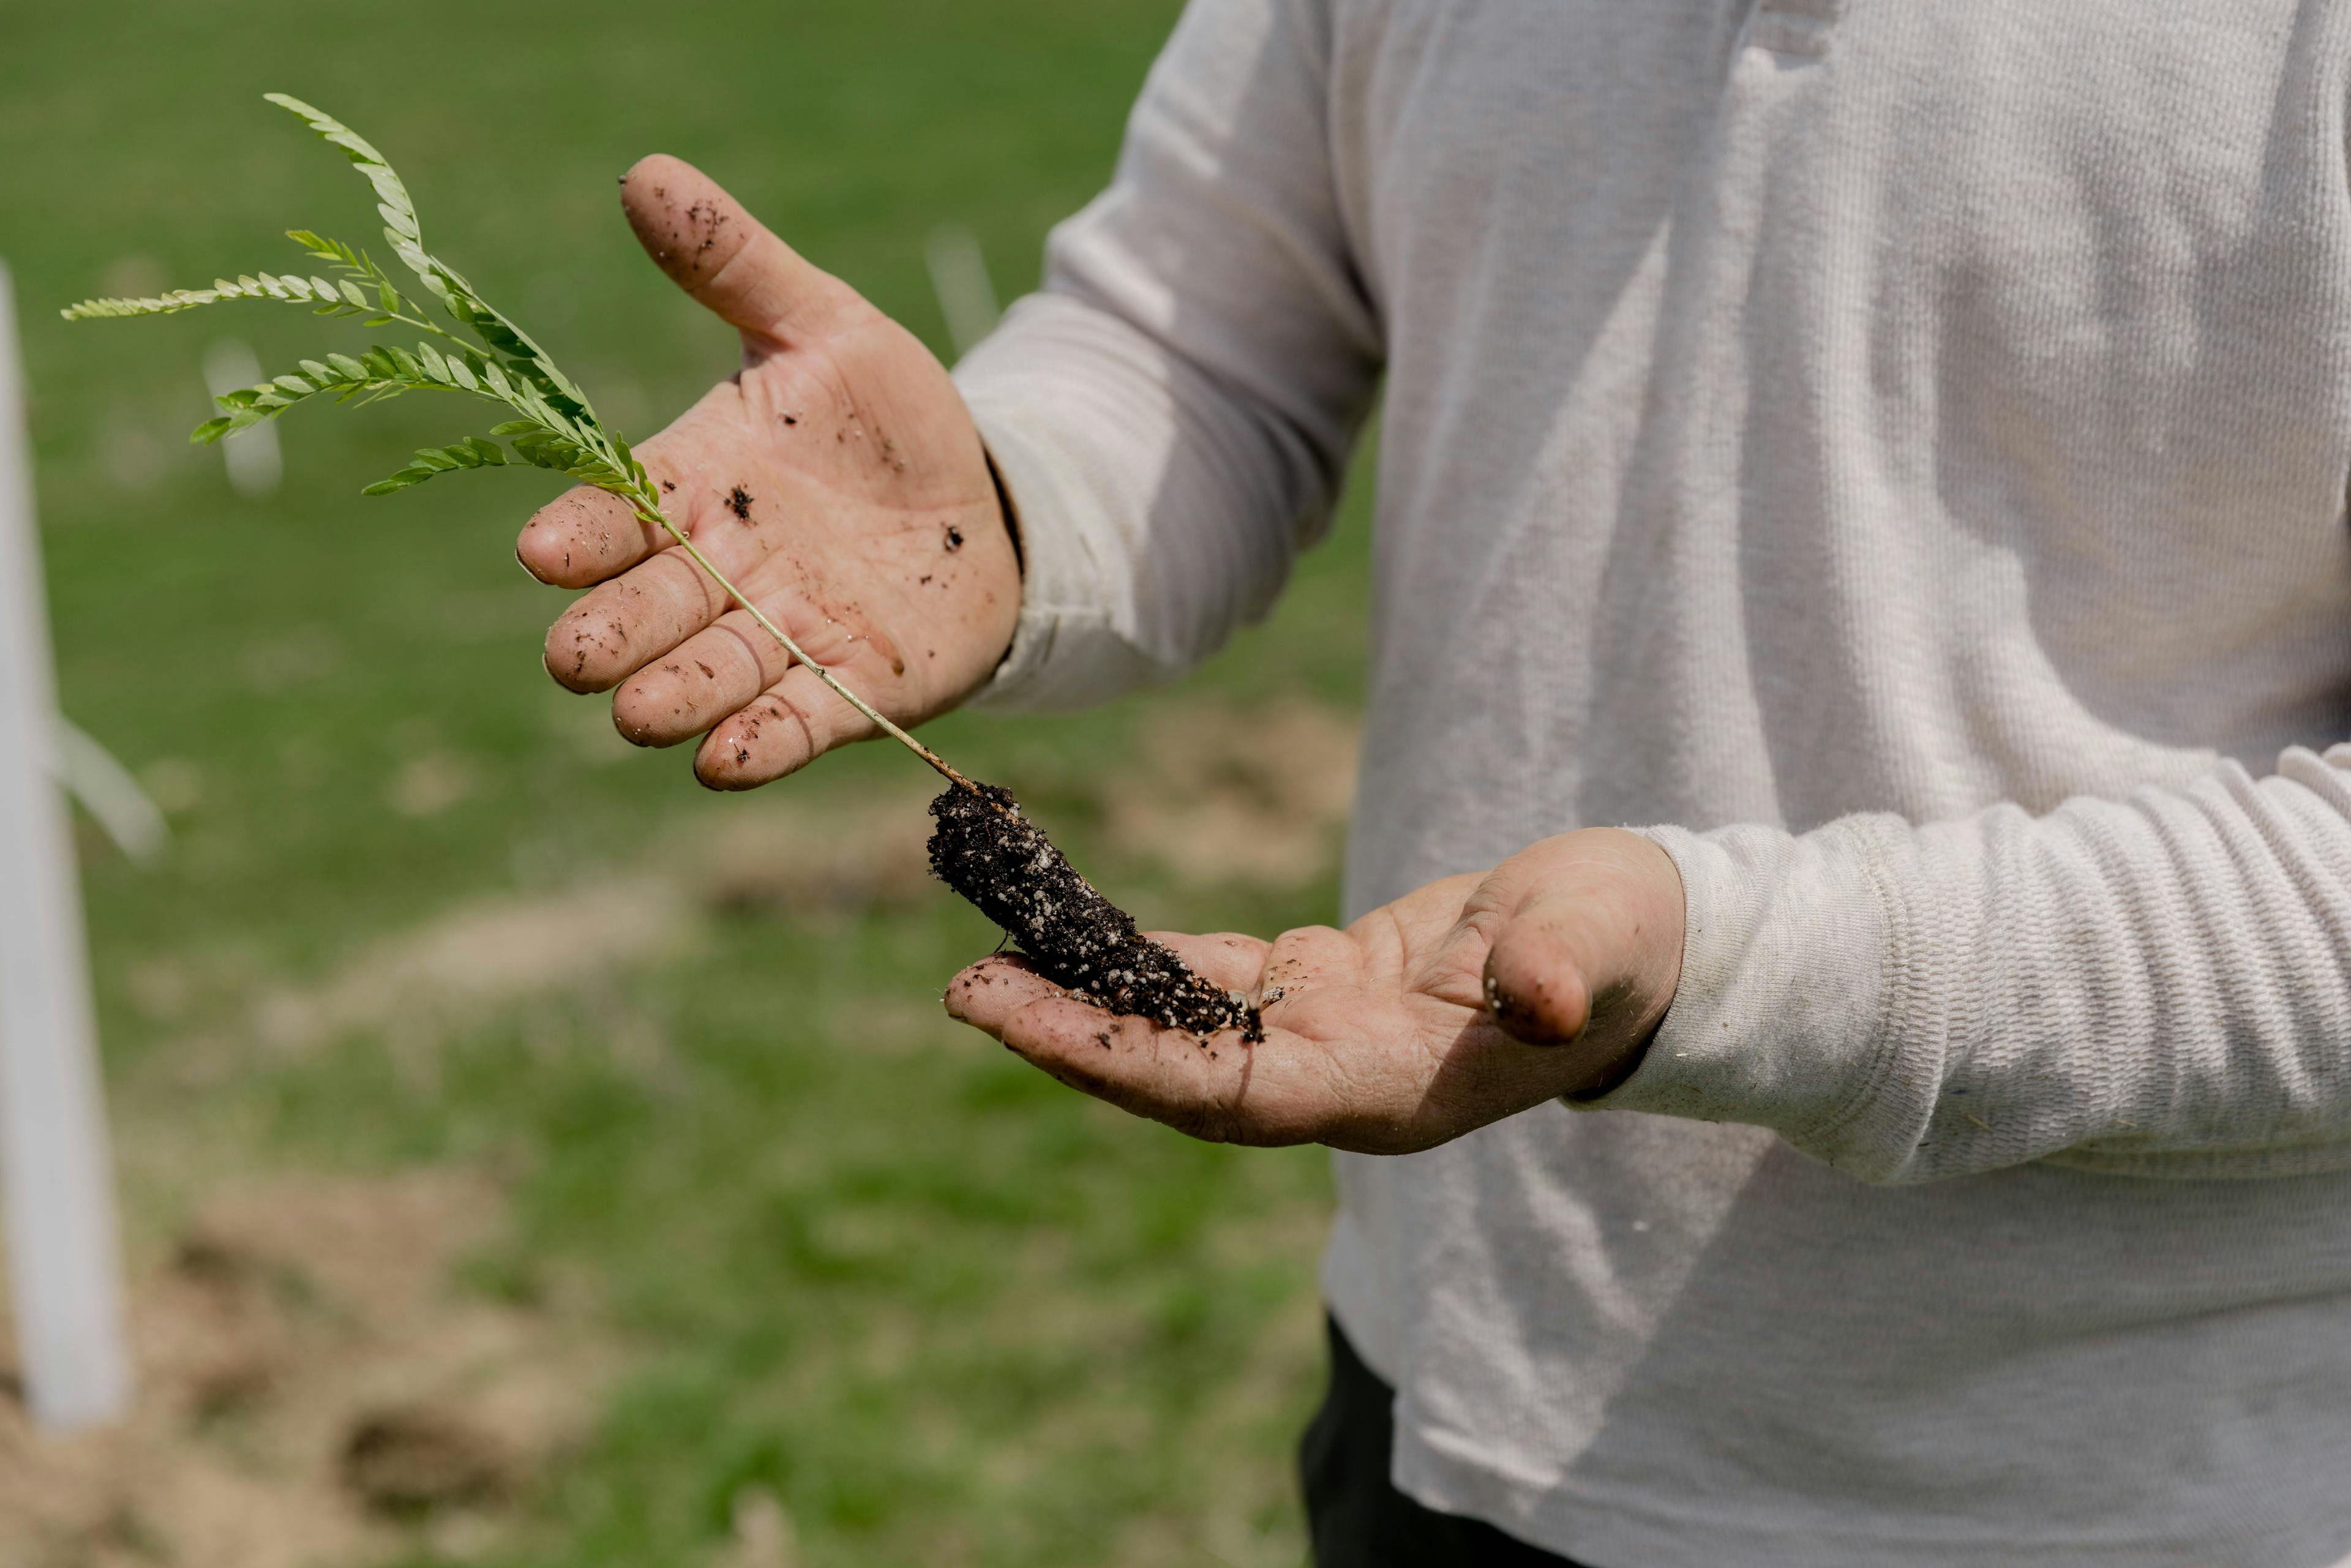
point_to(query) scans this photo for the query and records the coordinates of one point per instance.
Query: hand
(1460, 1004)
(837, 478)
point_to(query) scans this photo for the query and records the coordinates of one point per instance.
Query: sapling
(982, 846)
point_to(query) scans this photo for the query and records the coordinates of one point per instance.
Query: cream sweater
(1901, 447)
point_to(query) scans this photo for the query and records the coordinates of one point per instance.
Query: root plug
(987, 851)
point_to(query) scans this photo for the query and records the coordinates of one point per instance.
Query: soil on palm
(987, 851)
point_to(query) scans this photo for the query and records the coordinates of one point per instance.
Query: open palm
(1388, 1036)
(837, 478)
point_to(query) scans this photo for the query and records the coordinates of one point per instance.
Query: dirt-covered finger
(1305, 961)
(584, 537)
(786, 727)
(1130, 1061)
(989, 993)
(1534, 984)
(615, 629)
(689, 690)
(729, 260)
(1219, 1088)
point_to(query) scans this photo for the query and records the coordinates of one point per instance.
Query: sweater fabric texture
(1897, 452)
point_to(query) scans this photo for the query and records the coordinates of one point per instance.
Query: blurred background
(528, 1157)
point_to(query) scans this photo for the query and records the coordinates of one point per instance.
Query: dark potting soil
(998, 859)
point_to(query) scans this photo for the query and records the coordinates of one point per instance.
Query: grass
(947, 1311)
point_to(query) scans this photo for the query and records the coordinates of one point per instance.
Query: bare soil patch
(480, 956)
(313, 1392)
(1223, 796)
(778, 857)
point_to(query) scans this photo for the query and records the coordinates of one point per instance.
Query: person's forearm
(1157, 513)
(2159, 983)
(1172, 412)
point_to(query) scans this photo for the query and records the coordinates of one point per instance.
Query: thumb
(1536, 983)
(1588, 948)
(729, 260)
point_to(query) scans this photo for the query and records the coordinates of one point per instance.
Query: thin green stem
(436, 332)
(650, 510)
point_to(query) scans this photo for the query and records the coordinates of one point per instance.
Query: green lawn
(942, 1310)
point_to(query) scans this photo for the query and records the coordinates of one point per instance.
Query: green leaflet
(293, 290)
(556, 429)
(399, 212)
(525, 357)
(471, 452)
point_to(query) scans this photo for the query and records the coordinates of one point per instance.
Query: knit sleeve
(1172, 414)
(2159, 985)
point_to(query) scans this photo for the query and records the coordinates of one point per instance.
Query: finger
(1310, 974)
(792, 724)
(726, 259)
(989, 993)
(712, 673)
(583, 537)
(1546, 986)
(1535, 984)
(615, 629)
(1226, 960)
(1210, 1088)
(1588, 944)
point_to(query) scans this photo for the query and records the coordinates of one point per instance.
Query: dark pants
(1354, 1517)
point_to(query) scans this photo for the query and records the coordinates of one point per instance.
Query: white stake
(110, 795)
(959, 278)
(255, 463)
(64, 1254)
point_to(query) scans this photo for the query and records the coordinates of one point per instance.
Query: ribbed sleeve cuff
(1781, 1019)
